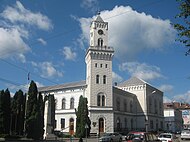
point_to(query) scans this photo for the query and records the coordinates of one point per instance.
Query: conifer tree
(82, 118)
(33, 113)
(2, 113)
(7, 110)
(18, 112)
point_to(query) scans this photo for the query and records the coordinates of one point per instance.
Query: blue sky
(48, 39)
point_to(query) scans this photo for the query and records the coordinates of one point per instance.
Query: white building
(173, 120)
(131, 105)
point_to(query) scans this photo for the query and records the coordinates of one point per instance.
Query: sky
(46, 41)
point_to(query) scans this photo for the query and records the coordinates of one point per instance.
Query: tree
(2, 113)
(5, 111)
(183, 28)
(82, 118)
(18, 112)
(33, 113)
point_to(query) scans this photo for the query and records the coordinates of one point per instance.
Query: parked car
(185, 134)
(168, 137)
(142, 137)
(111, 137)
(131, 135)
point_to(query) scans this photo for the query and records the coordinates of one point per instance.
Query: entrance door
(71, 126)
(101, 125)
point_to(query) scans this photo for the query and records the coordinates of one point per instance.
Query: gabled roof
(63, 86)
(99, 19)
(132, 81)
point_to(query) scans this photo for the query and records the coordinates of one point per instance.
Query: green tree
(2, 113)
(183, 27)
(18, 112)
(33, 113)
(83, 119)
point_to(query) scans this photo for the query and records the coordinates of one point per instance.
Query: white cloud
(116, 77)
(69, 54)
(131, 32)
(42, 41)
(166, 99)
(47, 69)
(143, 71)
(182, 97)
(91, 5)
(166, 88)
(15, 23)
(18, 14)
(12, 44)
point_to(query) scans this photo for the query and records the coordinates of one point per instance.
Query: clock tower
(99, 74)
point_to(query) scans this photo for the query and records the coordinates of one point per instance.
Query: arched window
(118, 124)
(100, 42)
(125, 105)
(97, 79)
(118, 103)
(72, 103)
(104, 79)
(103, 100)
(131, 107)
(100, 100)
(63, 103)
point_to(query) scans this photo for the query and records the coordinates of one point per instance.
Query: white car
(168, 137)
(185, 134)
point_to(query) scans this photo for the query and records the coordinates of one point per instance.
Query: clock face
(100, 32)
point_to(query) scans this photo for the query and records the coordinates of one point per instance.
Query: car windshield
(165, 136)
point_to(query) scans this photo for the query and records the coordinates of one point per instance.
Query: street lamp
(146, 109)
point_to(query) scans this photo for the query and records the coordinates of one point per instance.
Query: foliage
(5, 111)
(82, 118)
(183, 28)
(18, 112)
(34, 117)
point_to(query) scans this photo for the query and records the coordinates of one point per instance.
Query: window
(63, 103)
(106, 66)
(101, 65)
(118, 124)
(96, 65)
(104, 79)
(118, 104)
(131, 106)
(72, 103)
(125, 105)
(97, 79)
(125, 122)
(100, 42)
(55, 103)
(100, 100)
(151, 124)
(62, 123)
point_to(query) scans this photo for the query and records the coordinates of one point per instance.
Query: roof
(63, 86)
(132, 81)
(99, 19)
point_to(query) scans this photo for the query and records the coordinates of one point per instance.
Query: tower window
(100, 100)
(104, 79)
(106, 65)
(96, 65)
(97, 79)
(101, 65)
(100, 42)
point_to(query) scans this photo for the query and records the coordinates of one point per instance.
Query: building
(173, 121)
(132, 105)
